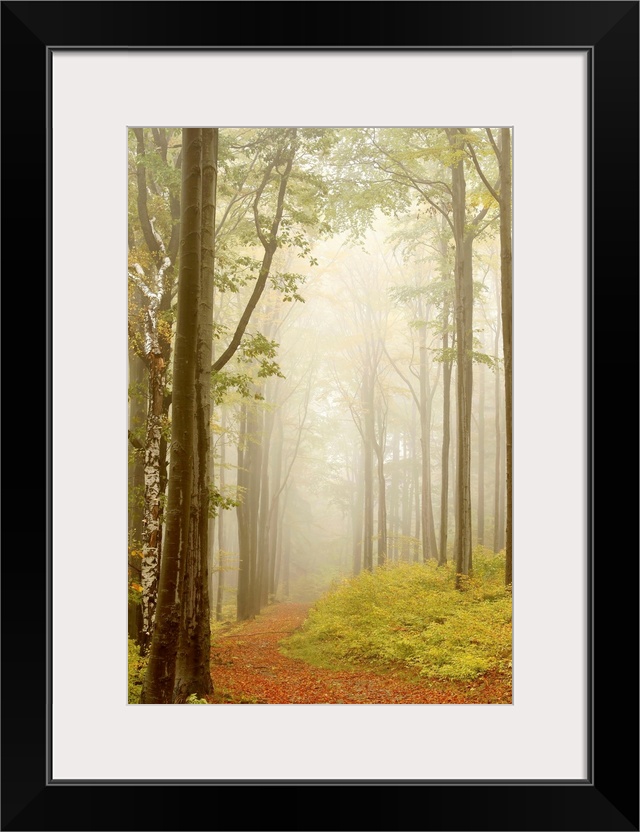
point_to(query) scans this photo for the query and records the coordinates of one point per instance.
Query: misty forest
(319, 415)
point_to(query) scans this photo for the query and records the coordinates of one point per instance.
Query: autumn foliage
(403, 634)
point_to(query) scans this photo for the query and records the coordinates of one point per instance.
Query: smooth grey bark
(262, 553)
(506, 274)
(394, 497)
(481, 455)
(464, 338)
(274, 510)
(464, 233)
(498, 521)
(379, 445)
(242, 512)
(254, 471)
(357, 512)
(367, 448)
(446, 443)
(407, 499)
(429, 545)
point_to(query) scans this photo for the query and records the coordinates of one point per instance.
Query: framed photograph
(564, 77)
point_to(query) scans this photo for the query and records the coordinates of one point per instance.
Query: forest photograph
(319, 442)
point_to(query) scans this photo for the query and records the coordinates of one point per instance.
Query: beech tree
(176, 560)
(323, 416)
(179, 656)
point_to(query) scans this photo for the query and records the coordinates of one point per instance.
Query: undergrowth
(411, 616)
(137, 670)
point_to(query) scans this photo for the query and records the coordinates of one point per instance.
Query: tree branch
(141, 174)
(481, 174)
(270, 248)
(493, 143)
(404, 378)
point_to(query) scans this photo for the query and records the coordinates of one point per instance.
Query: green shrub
(411, 615)
(192, 699)
(137, 670)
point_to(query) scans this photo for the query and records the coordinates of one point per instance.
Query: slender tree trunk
(506, 273)
(221, 517)
(368, 442)
(407, 499)
(394, 500)
(137, 417)
(481, 455)
(279, 548)
(382, 497)
(464, 337)
(242, 513)
(151, 538)
(274, 512)
(254, 470)
(287, 560)
(446, 441)
(429, 547)
(161, 672)
(498, 542)
(265, 509)
(357, 512)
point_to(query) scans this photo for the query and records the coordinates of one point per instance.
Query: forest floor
(248, 668)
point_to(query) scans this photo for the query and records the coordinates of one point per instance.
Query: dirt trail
(247, 666)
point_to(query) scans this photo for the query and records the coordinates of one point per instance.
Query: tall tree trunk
(407, 499)
(446, 441)
(368, 442)
(287, 559)
(254, 471)
(382, 495)
(464, 334)
(193, 671)
(161, 672)
(265, 509)
(464, 337)
(481, 452)
(506, 273)
(155, 282)
(279, 547)
(137, 417)
(498, 541)
(357, 512)
(394, 497)
(274, 512)
(151, 538)
(242, 513)
(429, 547)
(221, 518)
(418, 503)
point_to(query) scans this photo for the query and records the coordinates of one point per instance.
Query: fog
(319, 389)
(353, 322)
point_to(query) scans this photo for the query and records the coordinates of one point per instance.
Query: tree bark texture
(161, 672)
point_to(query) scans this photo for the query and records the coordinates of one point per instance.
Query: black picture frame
(608, 798)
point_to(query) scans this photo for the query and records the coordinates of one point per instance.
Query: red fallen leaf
(248, 667)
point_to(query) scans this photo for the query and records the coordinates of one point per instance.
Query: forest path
(248, 667)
